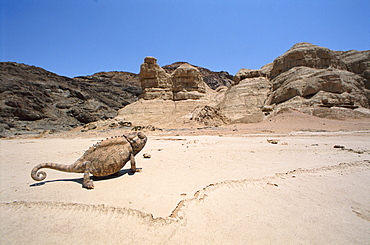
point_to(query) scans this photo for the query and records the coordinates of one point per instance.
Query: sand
(225, 185)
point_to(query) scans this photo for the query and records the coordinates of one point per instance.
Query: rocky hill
(320, 81)
(35, 99)
(308, 78)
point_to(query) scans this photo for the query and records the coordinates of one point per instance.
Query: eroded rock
(187, 83)
(155, 82)
(245, 101)
(209, 116)
(308, 55)
(248, 73)
(319, 87)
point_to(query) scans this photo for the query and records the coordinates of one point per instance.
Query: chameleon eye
(141, 135)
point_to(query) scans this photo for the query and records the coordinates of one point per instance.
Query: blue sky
(82, 37)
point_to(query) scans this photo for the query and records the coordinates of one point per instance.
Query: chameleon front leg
(133, 164)
(87, 182)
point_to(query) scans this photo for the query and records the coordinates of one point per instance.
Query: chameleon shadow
(94, 178)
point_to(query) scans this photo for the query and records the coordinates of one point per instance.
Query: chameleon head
(137, 141)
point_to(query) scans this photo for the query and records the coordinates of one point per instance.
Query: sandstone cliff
(307, 55)
(155, 82)
(181, 97)
(185, 82)
(309, 78)
(315, 79)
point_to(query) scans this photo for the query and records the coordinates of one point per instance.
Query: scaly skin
(102, 159)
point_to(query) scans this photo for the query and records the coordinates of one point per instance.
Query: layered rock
(307, 77)
(357, 62)
(321, 82)
(308, 55)
(211, 78)
(187, 83)
(173, 99)
(307, 82)
(248, 73)
(155, 82)
(161, 113)
(244, 102)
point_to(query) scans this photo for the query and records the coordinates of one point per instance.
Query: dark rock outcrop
(35, 99)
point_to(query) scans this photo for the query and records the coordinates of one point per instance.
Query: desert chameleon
(102, 159)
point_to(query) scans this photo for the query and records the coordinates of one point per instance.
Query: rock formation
(308, 78)
(308, 55)
(357, 62)
(35, 99)
(187, 83)
(179, 94)
(307, 82)
(244, 101)
(248, 73)
(155, 82)
(211, 78)
(209, 116)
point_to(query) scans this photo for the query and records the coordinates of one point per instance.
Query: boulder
(155, 82)
(248, 73)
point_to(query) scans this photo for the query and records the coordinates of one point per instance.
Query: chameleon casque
(102, 159)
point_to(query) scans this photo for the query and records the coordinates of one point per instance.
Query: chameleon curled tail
(41, 175)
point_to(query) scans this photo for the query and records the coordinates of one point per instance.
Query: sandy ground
(201, 186)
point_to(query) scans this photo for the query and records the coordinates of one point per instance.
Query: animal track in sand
(179, 212)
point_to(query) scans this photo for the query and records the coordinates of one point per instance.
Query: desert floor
(226, 185)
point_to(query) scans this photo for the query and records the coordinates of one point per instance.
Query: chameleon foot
(89, 185)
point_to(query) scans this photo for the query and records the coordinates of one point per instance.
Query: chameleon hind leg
(87, 182)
